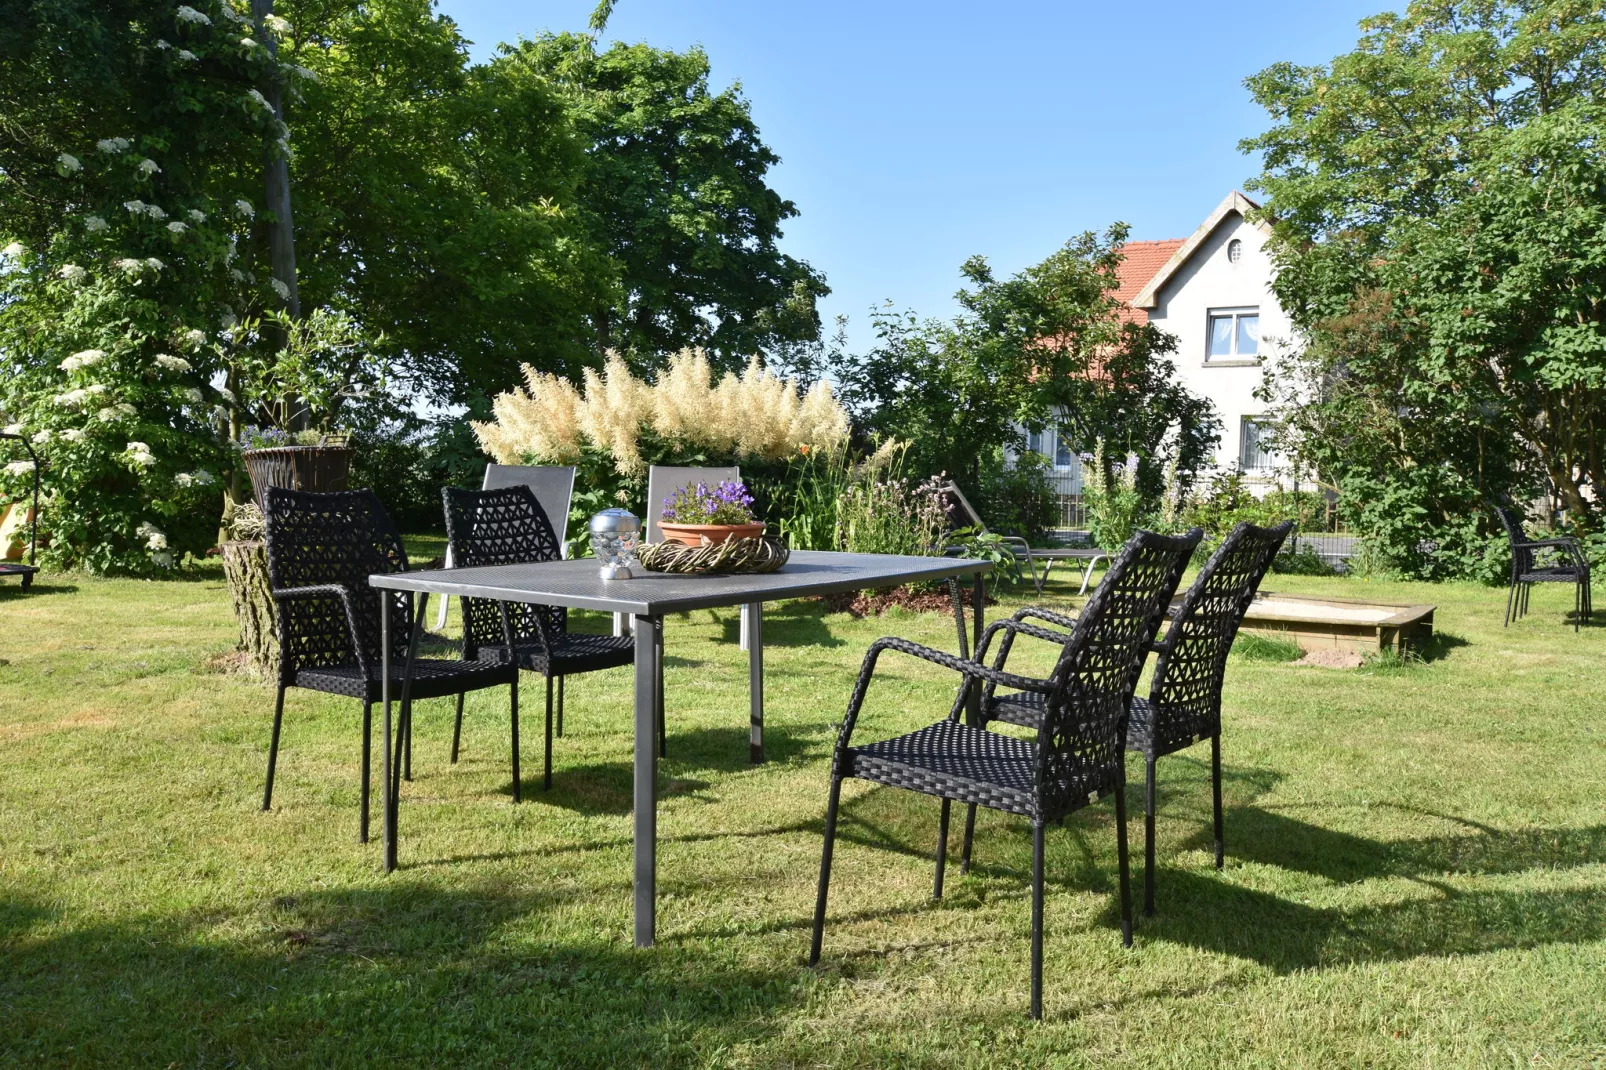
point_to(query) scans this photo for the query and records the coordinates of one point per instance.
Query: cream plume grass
(684, 402)
(541, 420)
(616, 405)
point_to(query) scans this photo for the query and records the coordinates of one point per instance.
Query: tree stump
(245, 565)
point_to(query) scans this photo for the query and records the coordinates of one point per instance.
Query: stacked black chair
(1077, 758)
(1567, 563)
(322, 547)
(507, 526)
(1184, 703)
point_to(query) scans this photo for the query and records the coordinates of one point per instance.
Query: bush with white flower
(131, 247)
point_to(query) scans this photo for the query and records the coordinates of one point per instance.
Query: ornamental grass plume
(753, 414)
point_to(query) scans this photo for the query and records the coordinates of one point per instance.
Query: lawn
(1416, 864)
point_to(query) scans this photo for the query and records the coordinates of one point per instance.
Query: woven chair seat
(574, 652)
(1553, 574)
(432, 678)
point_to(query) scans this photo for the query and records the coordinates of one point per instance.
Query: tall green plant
(1113, 502)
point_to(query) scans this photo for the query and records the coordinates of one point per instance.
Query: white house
(1212, 291)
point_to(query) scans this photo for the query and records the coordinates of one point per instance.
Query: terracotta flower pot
(695, 534)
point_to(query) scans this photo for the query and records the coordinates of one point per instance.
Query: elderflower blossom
(193, 395)
(255, 96)
(172, 363)
(73, 434)
(186, 56)
(83, 359)
(178, 228)
(113, 145)
(19, 468)
(72, 273)
(246, 42)
(135, 206)
(68, 163)
(236, 274)
(120, 411)
(278, 24)
(186, 13)
(194, 337)
(242, 208)
(280, 288)
(72, 398)
(16, 248)
(129, 265)
(162, 45)
(43, 438)
(198, 478)
(11, 429)
(140, 454)
(153, 536)
(226, 394)
(196, 216)
(148, 167)
(154, 264)
(95, 224)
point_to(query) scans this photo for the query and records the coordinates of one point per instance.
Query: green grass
(1416, 865)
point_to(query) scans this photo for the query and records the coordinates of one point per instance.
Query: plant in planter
(697, 514)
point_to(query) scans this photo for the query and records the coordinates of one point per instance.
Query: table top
(577, 585)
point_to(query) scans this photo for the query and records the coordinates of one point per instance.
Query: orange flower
(804, 450)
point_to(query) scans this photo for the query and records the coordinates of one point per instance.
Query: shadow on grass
(13, 590)
(411, 972)
(800, 622)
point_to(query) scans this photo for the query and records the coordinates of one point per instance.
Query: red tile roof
(1144, 259)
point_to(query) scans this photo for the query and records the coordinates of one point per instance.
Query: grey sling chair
(553, 486)
(966, 514)
(1184, 703)
(1077, 758)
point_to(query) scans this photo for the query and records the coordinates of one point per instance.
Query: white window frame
(1234, 312)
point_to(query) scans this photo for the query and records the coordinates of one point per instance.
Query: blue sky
(913, 135)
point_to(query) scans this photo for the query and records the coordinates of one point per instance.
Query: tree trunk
(245, 566)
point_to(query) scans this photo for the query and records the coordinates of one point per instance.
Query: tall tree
(1437, 206)
(675, 192)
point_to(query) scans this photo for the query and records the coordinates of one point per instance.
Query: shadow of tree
(409, 971)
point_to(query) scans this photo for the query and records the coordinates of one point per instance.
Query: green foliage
(1114, 504)
(1437, 212)
(1226, 501)
(304, 371)
(1018, 499)
(1049, 345)
(1253, 647)
(882, 512)
(988, 546)
(808, 503)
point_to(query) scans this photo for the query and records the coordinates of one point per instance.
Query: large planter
(297, 468)
(708, 534)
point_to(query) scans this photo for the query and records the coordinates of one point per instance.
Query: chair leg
(1148, 837)
(546, 748)
(513, 704)
(407, 738)
(273, 748)
(942, 848)
(1511, 595)
(457, 727)
(1121, 855)
(1037, 921)
(367, 762)
(970, 834)
(1215, 791)
(560, 706)
(825, 870)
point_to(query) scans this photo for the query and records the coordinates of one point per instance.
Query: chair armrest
(969, 668)
(1061, 619)
(326, 590)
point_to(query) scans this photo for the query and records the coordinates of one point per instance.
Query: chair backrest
(506, 526)
(1186, 691)
(552, 485)
(1081, 741)
(664, 480)
(332, 537)
(1522, 557)
(961, 514)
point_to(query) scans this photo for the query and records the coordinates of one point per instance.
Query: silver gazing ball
(615, 534)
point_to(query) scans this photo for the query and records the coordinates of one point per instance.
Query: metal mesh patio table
(648, 598)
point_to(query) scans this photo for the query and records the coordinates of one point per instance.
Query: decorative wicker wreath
(714, 559)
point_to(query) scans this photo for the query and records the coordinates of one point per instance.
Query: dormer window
(1234, 334)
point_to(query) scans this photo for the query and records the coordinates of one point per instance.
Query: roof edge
(1148, 297)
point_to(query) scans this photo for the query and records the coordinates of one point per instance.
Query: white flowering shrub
(122, 229)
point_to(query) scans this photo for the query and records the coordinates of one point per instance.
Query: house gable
(1235, 204)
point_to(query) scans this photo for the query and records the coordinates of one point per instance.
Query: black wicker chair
(1184, 703)
(1077, 758)
(504, 527)
(322, 547)
(1567, 564)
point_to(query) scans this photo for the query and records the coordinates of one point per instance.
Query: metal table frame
(648, 599)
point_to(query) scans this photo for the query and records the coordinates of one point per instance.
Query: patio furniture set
(516, 589)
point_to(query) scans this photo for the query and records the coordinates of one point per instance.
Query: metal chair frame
(1570, 565)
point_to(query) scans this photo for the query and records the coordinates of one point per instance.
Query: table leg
(384, 693)
(753, 627)
(404, 725)
(649, 646)
(746, 633)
